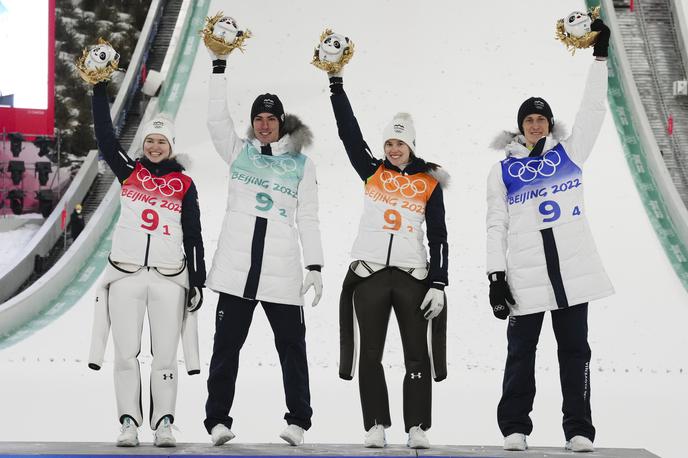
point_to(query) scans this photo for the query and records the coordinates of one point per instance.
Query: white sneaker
(375, 437)
(129, 435)
(293, 434)
(579, 444)
(417, 438)
(221, 434)
(515, 442)
(163, 435)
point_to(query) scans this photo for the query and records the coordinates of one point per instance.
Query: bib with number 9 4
(543, 191)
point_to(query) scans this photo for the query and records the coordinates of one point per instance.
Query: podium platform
(101, 449)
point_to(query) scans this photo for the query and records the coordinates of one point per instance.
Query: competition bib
(153, 203)
(266, 186)
(395, 203)
(542, 191)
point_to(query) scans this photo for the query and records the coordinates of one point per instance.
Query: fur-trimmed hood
(441, 175)
(514, 143)
(295, 136)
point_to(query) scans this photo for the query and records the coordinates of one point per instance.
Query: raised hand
(601, 48)
(97, 63)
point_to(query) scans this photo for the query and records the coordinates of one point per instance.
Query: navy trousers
(232, 321)
(518, 389)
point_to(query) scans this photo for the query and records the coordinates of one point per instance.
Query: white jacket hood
(514, 143)
(296, 136)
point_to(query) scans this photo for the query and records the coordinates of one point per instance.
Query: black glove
(336, 84)
(601, 48)
(194, 299)
(219, 65)
(500, 295)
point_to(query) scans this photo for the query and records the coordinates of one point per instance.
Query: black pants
(374, 298)
(232, 321)
(518, 389)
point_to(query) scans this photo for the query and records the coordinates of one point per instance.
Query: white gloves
(434, 302)
(194, 299)
(314, 279)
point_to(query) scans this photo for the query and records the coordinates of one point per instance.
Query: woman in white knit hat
(391, 271)
(156, 266)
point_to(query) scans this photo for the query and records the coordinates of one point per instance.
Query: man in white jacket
(271, 205)
(541, 255)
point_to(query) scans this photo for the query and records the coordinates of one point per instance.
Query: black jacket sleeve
(437, 239)
(193, 239)
(113, 153)
(350, 133)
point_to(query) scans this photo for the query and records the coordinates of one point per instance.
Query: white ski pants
(129, 298)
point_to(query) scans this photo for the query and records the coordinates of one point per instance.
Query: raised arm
(113, 153)
(220, 124)
(350, 133)
(593, 107)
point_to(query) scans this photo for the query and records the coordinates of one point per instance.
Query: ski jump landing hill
(64, 284)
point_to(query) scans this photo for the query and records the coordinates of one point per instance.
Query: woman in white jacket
(541, 255)
(272, 203)
(156, 265)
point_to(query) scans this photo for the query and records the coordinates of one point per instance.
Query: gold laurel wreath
(572, 43)
(218, 45)
(332, 67)
(96, 75)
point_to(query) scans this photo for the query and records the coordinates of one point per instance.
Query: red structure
(39, 120)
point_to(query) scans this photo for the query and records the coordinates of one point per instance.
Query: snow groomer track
(310, 450)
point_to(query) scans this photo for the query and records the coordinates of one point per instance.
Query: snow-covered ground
(461, 69)
(13, 241)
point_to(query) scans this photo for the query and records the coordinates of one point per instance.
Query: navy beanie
(268, 103)
(535, 105)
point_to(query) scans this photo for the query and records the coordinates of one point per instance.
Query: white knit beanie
(159, 125)
(401, 127)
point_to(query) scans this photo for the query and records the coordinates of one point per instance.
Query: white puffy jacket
(280, 189)
(537, 230)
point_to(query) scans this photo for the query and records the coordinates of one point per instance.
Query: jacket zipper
(145, 260)
(389, 249)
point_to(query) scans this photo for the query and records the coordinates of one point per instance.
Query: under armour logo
(166, 376)
(220, 315)
(415, 375)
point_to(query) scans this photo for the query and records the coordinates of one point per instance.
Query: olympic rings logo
(545, 166)
(402, 184)
(166, 187)
(279, 165)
